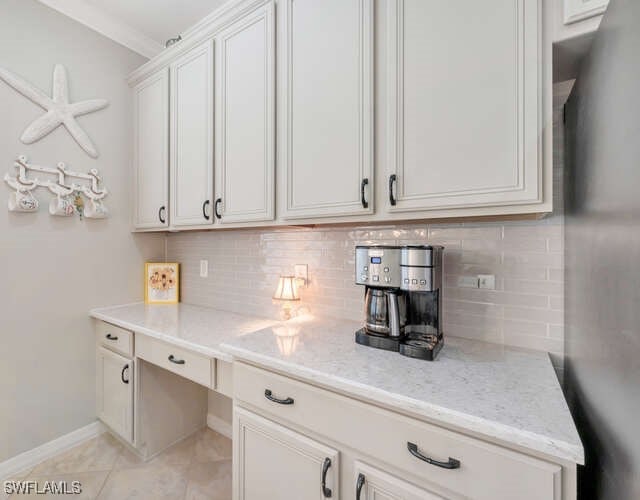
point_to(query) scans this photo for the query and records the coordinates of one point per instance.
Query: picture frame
(161, 283)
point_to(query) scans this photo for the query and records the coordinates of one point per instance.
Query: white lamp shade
(287, 289)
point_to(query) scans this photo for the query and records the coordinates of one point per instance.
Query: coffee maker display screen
(376, 260)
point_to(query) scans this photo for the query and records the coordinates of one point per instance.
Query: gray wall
(602, 231)
(55, 269)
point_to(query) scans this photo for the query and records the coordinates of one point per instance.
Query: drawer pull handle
(108, 336)
(204, 209)
(176, 361)
(124, 368)
(363, 200)
(452, 463)
(269, 395)
(325, 468)
(160, 216)
(392, 179)
(359, 485)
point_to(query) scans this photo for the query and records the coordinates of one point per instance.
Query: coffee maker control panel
(378, 266)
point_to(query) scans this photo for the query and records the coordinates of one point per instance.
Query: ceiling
(158, 19)
(141, 25)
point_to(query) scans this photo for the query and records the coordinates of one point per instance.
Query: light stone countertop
(506, 394)
(199, 329)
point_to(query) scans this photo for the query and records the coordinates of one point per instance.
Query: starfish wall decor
(59, 111)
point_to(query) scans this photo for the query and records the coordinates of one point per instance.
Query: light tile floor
(198, 468)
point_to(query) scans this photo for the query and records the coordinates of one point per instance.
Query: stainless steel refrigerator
(602, 260)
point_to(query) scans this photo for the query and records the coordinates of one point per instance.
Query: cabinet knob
(161, 213)
(452, 463)
(392, 180)
(325, 468)
(363, 184)
(359, 485)
(269, 395)
(173, 359)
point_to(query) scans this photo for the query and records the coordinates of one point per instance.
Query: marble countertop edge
(436, 414)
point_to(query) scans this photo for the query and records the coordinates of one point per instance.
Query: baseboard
(33, 457)
(217, 424)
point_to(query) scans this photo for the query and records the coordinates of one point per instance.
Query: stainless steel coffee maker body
(403, 299)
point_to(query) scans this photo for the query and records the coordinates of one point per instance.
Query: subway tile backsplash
(524, 310)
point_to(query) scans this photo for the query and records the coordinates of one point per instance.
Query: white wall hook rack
(67, 200)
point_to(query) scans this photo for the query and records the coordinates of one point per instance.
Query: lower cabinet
(115, 392)
(374, 484)
(272, 462)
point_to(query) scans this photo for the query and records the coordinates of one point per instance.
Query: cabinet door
(373, 484)
(192, 137)
(245, 118)
(464, 105)
(325, 140)
(577, 10)
(151, 151)
(271, 462)
(115, 392)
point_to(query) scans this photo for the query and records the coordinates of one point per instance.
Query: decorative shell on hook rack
(59, 111)
(67, 197)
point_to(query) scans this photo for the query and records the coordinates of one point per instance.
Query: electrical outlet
(204, 268)
(301, 272)
(487, 281)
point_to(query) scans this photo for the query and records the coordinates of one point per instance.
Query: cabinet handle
(269, 395)
(325, 468)
(108, 336)
(359, 485)
(452, 463)
(215, 208)
(204, 209)
(176, 361)
(363, 184)
(122, 374)
(392, 179)
(162, 209)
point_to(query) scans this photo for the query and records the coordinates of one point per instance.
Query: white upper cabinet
(191, 134)
(578, 10)
(245, 119)
(464, 104)
(325, 110)
(151, 151)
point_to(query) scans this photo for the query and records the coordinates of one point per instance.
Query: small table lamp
(287, 292)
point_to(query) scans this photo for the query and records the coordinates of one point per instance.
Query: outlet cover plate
(204, 268)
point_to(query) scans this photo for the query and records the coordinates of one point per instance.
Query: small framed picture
(162, 283)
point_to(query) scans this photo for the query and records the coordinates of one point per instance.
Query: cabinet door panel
(272, 462)
(374, 484)
(192, 137)
(326, 110)
(151, 151)
(245, 118)
(114, 395)
(464, 106)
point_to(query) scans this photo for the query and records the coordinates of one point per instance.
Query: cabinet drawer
(486, 471)
(115, 338)
(181, 361)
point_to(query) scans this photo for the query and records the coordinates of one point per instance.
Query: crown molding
(106, 25)
(203, 30)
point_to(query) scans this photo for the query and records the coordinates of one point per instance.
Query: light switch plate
(204, 268)
(487, 281)
(468, 281)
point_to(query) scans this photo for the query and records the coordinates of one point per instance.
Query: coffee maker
(403, 298)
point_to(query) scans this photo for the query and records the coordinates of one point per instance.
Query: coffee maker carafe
(403, 303)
